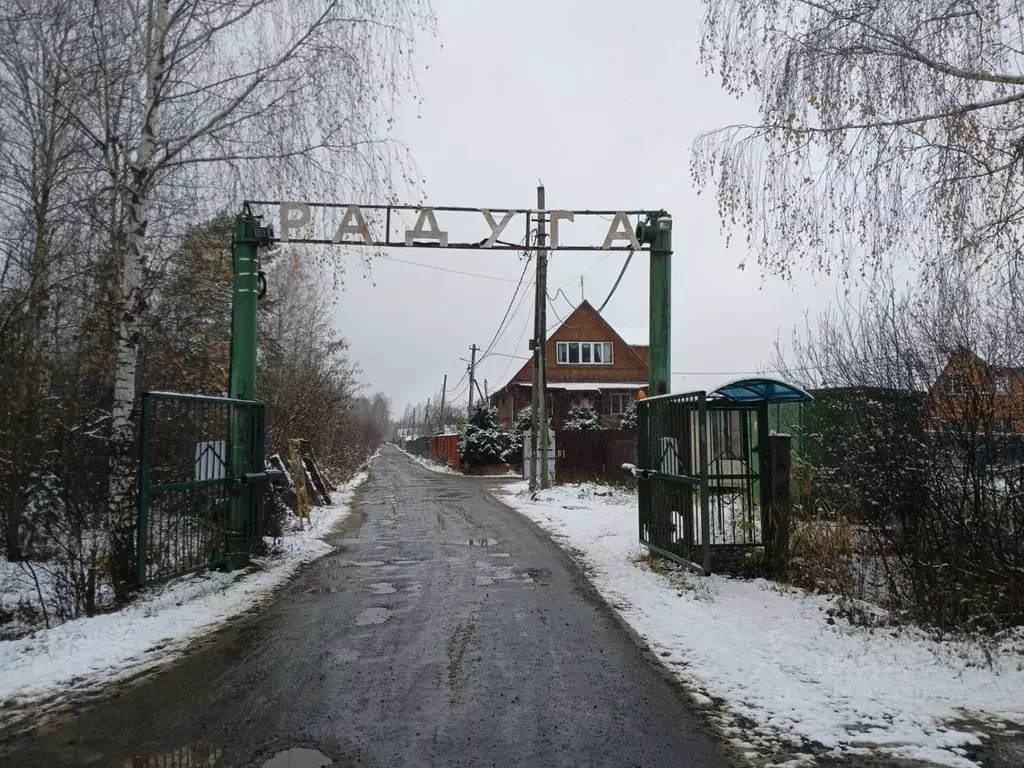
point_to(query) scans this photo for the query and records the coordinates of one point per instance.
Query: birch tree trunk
(121, 507)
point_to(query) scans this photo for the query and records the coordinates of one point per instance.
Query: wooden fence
(444, 449)
(583, 456)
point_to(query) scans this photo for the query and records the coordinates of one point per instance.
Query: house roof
(637, 349)
(586, 386)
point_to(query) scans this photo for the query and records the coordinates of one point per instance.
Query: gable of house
(629, 363)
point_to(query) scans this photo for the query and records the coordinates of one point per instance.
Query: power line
(446, 269)
(592, 266)
(617, 281)
(518, 342)
(508, 309)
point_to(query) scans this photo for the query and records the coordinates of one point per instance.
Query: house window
(583, 352)
(1004, 384)
(956, 385)
(618, 402)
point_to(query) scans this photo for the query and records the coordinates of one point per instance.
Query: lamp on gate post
(657, 231)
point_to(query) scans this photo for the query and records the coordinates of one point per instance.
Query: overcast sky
(601, 101)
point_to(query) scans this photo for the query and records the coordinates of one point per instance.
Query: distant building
(973, 393)
(587, 359)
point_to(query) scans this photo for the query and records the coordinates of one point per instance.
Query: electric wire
(446, 269)
(617, 281)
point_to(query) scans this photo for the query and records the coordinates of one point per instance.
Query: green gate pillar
(244, 309)
(242, 383)
(657, 231)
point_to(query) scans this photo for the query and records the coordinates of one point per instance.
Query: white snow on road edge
(785, 680)
(158, 625)
(433, 466)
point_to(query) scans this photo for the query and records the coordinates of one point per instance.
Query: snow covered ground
(433, 466)
(783, 678)
(154, 628)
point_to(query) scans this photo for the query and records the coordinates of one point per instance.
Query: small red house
(586, 360)
(972, 390)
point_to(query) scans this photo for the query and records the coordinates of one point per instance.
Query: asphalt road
(446, 630)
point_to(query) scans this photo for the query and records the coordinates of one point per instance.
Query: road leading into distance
(446, 630)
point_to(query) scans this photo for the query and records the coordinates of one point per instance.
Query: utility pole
(426, 417)
(657, 231)
(487, 394)
(583, 295)
(535, 388)
(444, 388)
(542, 293)
(472, 372)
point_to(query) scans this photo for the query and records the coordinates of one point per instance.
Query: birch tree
(885, 126)
(185, 103)
(41, 157)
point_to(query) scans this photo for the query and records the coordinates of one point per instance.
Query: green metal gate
(705, 481)
(201, 482)
(702, 468)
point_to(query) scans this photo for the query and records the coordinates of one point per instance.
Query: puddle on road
(481, 543)
(372, 616)
(383, 588)
(196, 756)
(323, 589)
(299, 758)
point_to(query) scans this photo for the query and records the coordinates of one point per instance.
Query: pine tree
(582, 417)
(628, 420)
(482, 442)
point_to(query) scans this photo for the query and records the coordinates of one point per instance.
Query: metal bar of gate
(705, 512)
(143, 502)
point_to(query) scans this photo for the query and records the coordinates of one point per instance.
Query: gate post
(657, 231)
(776, 537)
(242, 380)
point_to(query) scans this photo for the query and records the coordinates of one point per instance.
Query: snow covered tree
(582, 417)
(628, 420)
(482, 442)
(517, 435)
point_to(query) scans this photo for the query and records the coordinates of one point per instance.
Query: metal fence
(195, 508)
(702, 464)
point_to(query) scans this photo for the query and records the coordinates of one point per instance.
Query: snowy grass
(785, 675)
(160, 623)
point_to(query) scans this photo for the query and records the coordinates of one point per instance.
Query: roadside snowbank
(153, 629)
(786, 676)
(433, 466)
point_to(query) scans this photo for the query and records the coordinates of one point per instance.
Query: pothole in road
(299, 758)
(382, 588)
(372, 616)
(481, 543)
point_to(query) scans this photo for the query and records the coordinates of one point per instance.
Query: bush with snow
(482, 442)
(517, 435)
(628, 420)
(582, 417)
